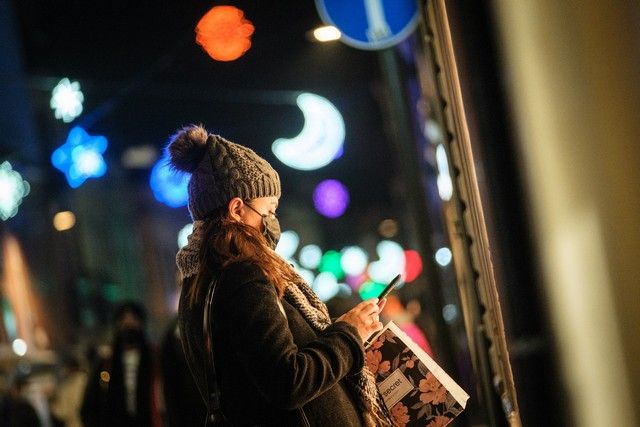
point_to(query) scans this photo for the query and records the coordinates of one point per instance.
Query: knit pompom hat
(220, 170)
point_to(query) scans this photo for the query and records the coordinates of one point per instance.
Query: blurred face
(130, 330)
(129, 321)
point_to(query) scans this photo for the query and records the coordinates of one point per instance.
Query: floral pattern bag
(415, 389)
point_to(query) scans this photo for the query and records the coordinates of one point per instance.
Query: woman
(278, 358)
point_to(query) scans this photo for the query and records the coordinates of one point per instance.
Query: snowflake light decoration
(80, 157)
(66, 100)
(12, 190)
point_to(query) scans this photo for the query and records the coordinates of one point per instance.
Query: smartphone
(390, 287)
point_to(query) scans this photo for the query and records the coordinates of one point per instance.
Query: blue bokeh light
(169, 186)
(80, 157)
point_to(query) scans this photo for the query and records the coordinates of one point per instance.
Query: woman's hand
(365, 317)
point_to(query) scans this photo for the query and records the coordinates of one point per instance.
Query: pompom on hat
(220, 170)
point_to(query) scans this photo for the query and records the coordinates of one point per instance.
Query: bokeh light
(307, 275)
(288, 244)
(64, 220)
(445, 185)
(310, 256)
(443, 256)
(450, 313)
(169, 186)
(326, 286)
(388, 228)
(354, 260)
(370, 289)
(391, 262)
(321, 139)
(331, 198)
(413, 265)
(224, 33)
(330, 262)
(66, 100)
(326, 33)
(80, 157)
(19, 347)
(183, 235)
(12, 190)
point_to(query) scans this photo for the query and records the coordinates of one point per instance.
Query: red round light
(413, 265)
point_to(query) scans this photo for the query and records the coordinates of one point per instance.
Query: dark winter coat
(104, 403)
(271, 369)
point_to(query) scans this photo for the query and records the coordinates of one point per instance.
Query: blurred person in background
(182, 401)
(279, 358)
(67, 401)
(15, 409)
(121, 389)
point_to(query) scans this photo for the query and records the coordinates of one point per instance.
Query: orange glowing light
(224, 33)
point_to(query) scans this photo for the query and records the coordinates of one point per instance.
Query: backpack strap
(214, 407)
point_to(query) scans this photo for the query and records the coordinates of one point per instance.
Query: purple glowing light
(331, 198)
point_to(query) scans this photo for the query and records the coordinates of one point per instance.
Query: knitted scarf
(300, 295)
(361, 384)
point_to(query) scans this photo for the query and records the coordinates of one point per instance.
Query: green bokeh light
(111, 292)
(330, 262)
(370, 289)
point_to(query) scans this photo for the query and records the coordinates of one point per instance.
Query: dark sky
(143, 76)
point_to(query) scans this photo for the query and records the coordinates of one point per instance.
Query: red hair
(227, 241)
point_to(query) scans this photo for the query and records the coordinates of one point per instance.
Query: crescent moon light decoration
(320, 140)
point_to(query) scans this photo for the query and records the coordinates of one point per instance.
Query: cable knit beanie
(220, 170)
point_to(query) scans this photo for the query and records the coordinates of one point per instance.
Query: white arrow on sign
(378, 27)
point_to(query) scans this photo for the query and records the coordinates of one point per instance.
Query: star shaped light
(66, 100)
(12, 190)
(80, 157)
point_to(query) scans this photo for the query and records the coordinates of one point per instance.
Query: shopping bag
(416, 390)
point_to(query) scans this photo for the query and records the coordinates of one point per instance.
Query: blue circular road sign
(370, 24)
